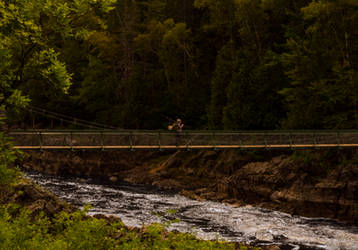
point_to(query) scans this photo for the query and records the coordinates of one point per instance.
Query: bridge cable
(68, 119)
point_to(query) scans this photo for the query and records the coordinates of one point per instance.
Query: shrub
(78, 231)
(7, 157)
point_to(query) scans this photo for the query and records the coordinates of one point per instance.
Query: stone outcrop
(34, 198)
(321, 183)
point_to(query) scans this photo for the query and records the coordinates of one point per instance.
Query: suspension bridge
(188, 140)
(105, 137)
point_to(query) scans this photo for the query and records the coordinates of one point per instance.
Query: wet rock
(201, 190)
(222, 185)
(168, 184)
(209, 195)
(221, 197)
(48, 207)
(237, 204)
(264, 235)
(113, 178)
(37, 206)
(273, 247)
(191, 195)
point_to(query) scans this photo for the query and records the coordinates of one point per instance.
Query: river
(137, 205)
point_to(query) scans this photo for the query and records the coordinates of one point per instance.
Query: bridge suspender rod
(66, 120)
(69, 119)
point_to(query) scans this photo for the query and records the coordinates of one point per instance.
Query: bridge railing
(188, 139)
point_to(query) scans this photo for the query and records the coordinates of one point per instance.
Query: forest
(228, 64)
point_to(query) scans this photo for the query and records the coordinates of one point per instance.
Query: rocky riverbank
(320, 183)
(28, 195)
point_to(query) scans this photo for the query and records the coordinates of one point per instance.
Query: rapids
(137, 205)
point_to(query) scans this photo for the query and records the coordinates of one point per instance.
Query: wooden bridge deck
(188, 140)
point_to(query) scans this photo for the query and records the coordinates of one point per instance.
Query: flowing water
(138, 205)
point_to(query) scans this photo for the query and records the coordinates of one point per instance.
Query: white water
(138, 205)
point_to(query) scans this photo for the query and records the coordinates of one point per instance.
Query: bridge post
(338, 139)
(290, 138)
(159, 143)
(71, 145)
(131, 141)
(214, 141)
(187, 141)
(102, 140)
(265, 141)
(314, 140)
(41, 141)
(240, 142)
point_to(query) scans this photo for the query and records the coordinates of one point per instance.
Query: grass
(19, 230)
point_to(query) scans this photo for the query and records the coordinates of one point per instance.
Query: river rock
(264, 235)
(169, 184)
(34, 198)
(191, 195)
(113, 178)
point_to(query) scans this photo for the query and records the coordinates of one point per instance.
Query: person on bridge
(178, 127)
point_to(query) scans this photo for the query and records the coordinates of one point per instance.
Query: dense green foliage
(229, 64)
(8, 156)
(20, 230)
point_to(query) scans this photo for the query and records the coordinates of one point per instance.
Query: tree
(32, 34)
(168, 45)
(226, 65)
(252, 101)
(322, 65)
